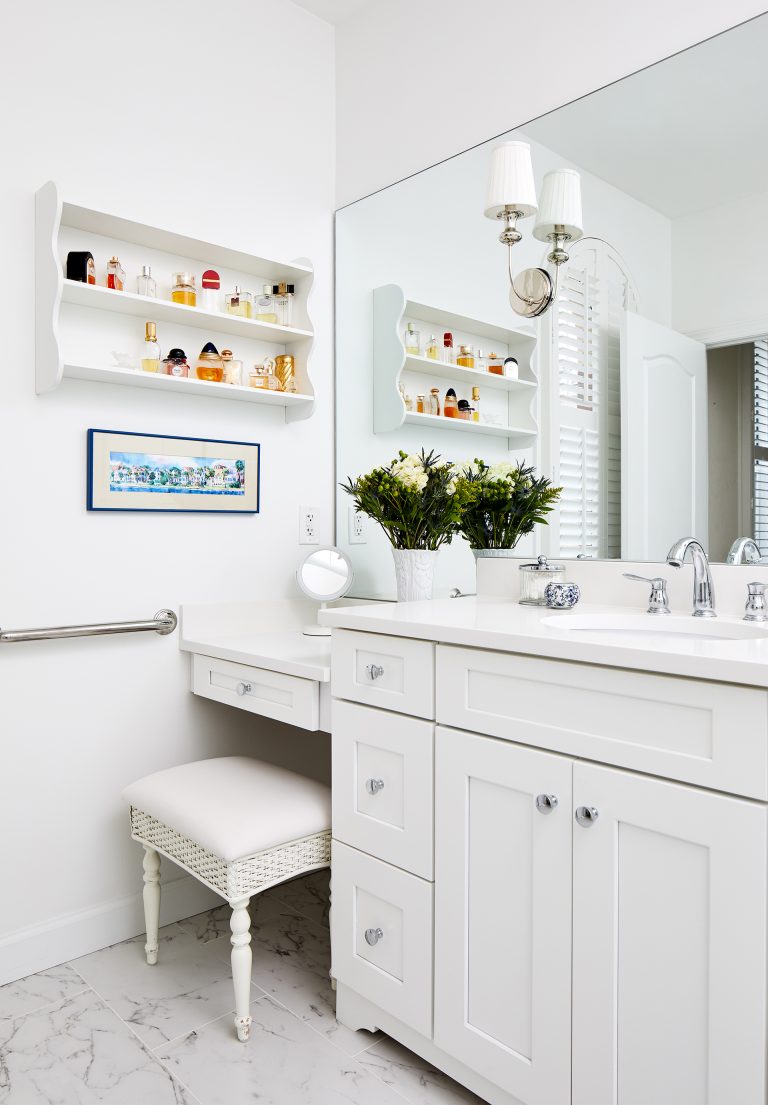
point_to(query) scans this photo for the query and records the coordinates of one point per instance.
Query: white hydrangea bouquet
(502, 503)
(418, 500)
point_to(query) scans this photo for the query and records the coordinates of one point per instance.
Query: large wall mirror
(643, 389)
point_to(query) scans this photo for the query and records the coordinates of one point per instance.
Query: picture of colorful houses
(175, 475)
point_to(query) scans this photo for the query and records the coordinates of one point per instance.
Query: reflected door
(663, 439)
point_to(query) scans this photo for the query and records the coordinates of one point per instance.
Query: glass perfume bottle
(176, 364)
(412, 340)
(146, 283)
(463, 409)
(283, 298)
(465, 358)
(450, 406)
(475, 404)
(209, 364)
(421, 405)
(210, 290)
(239, 303)
(115, 275)
(264, 307)
(495, 364)
(183, 289)
(432, 351)
(511, 368)
(233, 369)
(434, 401)
(150, 359)
(448, 348)
(480, 361)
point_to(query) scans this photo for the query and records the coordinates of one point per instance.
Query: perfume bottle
(412, 341)
(450, 406)
(176, 364)
(209, 364)
(233, 369)
(495, 364)
(146, 283)
(239, 303)
(434, 401)
(407, 401)
(263, 376)
(511, 368)
(81, 267)
(448, 348)
(475, 404)
(150, 360)
(463, 409)
(210, 284)
(480, 361)
(465, 358)
(183, 289)
(285, 371)
(283, 298)
(432, 350)
(264, 307)
(115, 275)
(421, 405)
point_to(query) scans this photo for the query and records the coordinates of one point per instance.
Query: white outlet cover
(308, 526)
(357, 522)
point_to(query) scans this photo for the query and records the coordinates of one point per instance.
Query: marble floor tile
(413, 1077)
(283, 1063)
(308, 895)
(35, 991)
(190, 984)
(77, 1052)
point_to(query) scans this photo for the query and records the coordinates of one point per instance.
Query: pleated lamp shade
(560, 208)
(510, 183)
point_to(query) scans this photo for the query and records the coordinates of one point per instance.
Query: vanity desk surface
(506, 626)
(289, 652)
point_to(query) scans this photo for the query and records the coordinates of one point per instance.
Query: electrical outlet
(356, 527)
(307, 525)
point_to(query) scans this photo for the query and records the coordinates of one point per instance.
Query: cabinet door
(503, 914)
(669, 948)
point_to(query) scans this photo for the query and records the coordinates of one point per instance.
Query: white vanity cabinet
(599, 933)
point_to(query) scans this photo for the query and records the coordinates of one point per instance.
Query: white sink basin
(647, 627)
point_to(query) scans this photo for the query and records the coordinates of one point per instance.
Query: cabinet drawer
(392, 672)
(392, 967)
(269, 693)
(709, 734)
(382, 785)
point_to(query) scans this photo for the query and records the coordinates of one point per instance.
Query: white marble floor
(107, 1028)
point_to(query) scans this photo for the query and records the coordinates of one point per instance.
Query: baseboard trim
(71, 935)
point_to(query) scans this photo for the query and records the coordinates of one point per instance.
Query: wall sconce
(511, 196)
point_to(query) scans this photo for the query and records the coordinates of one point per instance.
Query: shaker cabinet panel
(503, 913)
(394, 673)
(669, 944)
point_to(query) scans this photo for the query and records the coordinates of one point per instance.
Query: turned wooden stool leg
(151, 902)
(240, 923)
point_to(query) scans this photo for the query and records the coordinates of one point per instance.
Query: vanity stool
(240, 826)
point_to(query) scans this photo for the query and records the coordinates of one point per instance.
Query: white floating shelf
(517, 436)
(161, 310)
(157, 381)
(472, 377)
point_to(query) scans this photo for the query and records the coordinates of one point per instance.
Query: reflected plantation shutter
(760, 470)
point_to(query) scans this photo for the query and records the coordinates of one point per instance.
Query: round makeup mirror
(324, 574)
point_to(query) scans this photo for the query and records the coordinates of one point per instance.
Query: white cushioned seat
(234, 806)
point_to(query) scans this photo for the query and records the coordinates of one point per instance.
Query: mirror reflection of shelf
(517, 436)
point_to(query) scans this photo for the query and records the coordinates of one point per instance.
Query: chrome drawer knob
(243, 688)
(372, 936)
(545, 803)
(586, 815)
(373, 786)
(374, 671)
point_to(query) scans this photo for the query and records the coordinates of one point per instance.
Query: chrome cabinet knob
(586, 815)
(372, 936)
(545, 803)
(374, 671)
(373, 786)
(243, 688)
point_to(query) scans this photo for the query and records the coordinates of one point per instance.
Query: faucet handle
(659, 600)
(755, 610)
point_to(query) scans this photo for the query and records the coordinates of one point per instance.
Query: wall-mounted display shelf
(80, 326)
(508, 402)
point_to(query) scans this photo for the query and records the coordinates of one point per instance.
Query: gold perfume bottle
(183, 290)
(150, 361)
(209, 365)
(285, 370)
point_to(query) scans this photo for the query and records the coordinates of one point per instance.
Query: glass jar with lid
(534, 579)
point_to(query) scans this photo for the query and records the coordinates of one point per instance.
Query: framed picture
(128, 471)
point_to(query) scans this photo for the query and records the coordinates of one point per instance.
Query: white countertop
(533, 631)
(290, 652)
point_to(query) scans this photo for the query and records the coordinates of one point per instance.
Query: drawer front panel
(709, 734)
(269, 693)
(391, 672)
(381, 936)
(383, 785)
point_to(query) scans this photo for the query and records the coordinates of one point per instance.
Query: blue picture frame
(231, 484)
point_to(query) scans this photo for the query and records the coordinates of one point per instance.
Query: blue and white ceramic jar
(562, 596)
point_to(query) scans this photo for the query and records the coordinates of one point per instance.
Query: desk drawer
(391, 672)
(269, 693)
(392, 966)
(383, 784)
(710, 734)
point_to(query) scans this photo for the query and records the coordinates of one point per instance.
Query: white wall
(418, 82)
(428, 234)
(168, 115)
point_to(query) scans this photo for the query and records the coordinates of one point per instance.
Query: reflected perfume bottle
(412, 341)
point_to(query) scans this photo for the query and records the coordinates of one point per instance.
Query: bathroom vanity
(549, 857)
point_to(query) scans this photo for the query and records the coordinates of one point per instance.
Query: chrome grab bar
(164, 622)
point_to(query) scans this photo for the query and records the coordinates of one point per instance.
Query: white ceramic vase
(414, 572)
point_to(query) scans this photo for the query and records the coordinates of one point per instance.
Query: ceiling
(335, 11)
(687, 134)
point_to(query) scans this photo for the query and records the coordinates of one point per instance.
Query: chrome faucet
(744, 550)
(703, 589)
